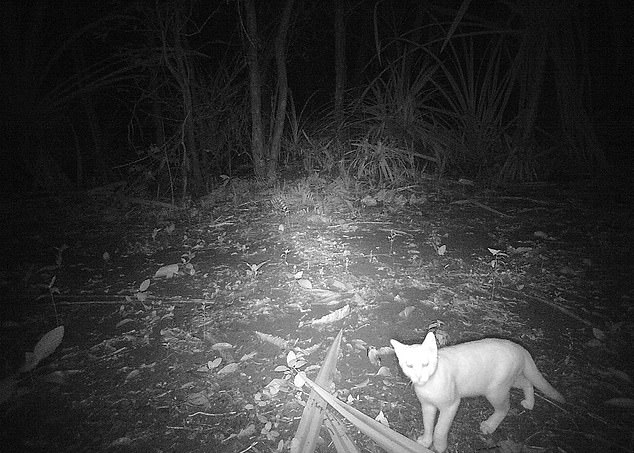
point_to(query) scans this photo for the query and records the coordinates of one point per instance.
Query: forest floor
(178, 323)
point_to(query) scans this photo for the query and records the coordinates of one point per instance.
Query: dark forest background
(174, 96)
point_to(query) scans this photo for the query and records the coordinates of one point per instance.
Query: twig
(212, 415)
(149, 300)
(249, 447)
(480, 205)
(555, 305)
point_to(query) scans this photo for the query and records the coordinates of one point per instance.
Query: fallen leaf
(306, 284)
(598, 334)
(332, 317)
(373, 356)
(359, 344)
(276, 341)
(362, 384)
(339, 285)
(214, 363)
(198, 399)
(49, 343)
(221, 346)
(248, 431)
(144, 285)
(406, 311)
(231, 368)
(167, 271)
(45, 347)
(620, 374)
(248, 356)
(385, 350)
(132, 374)
(382, 419)
(123, 322)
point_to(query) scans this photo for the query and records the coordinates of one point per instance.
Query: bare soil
(187, 365)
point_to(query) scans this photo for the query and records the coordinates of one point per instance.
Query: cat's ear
(396, 344)
(430, 341)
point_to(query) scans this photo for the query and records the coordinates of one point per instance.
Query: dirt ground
(196, 361)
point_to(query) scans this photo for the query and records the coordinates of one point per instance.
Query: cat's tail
(538, 380)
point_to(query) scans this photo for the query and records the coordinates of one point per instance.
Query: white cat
(488, 367)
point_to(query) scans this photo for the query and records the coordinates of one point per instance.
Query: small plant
(498, 257)
(254, 269)
(294, 362)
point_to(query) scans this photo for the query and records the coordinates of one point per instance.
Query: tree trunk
(340, 60)
(282, 90)
(576, 127)
(255, 89)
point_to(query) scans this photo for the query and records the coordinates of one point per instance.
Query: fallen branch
(480, 205)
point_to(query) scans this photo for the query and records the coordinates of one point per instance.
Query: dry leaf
(214, 363)
(373, 356)
(598, 334)
(339, 285)
(198, 399)
(362, 384)
(406, 311)
(276, 341)
(620, 374)
(231, 368)
(45, 347)
(49, 343)
(304, 283)
(248, 356)
(123, 322)
(167, 271)
(144, 285)
(248, 431)
(132, 374)
(221, 346)
(382, 419)
(332, 317)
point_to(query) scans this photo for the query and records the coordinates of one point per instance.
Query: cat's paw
(527, 404)
(424, 440)
(487, 428)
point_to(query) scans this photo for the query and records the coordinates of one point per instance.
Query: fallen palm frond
(389, 440)
(316, 412)
(307, 434)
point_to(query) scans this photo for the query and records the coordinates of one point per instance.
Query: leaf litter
(208, 352)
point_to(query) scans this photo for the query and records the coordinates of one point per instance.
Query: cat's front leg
(442, 426)
(429, 417)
